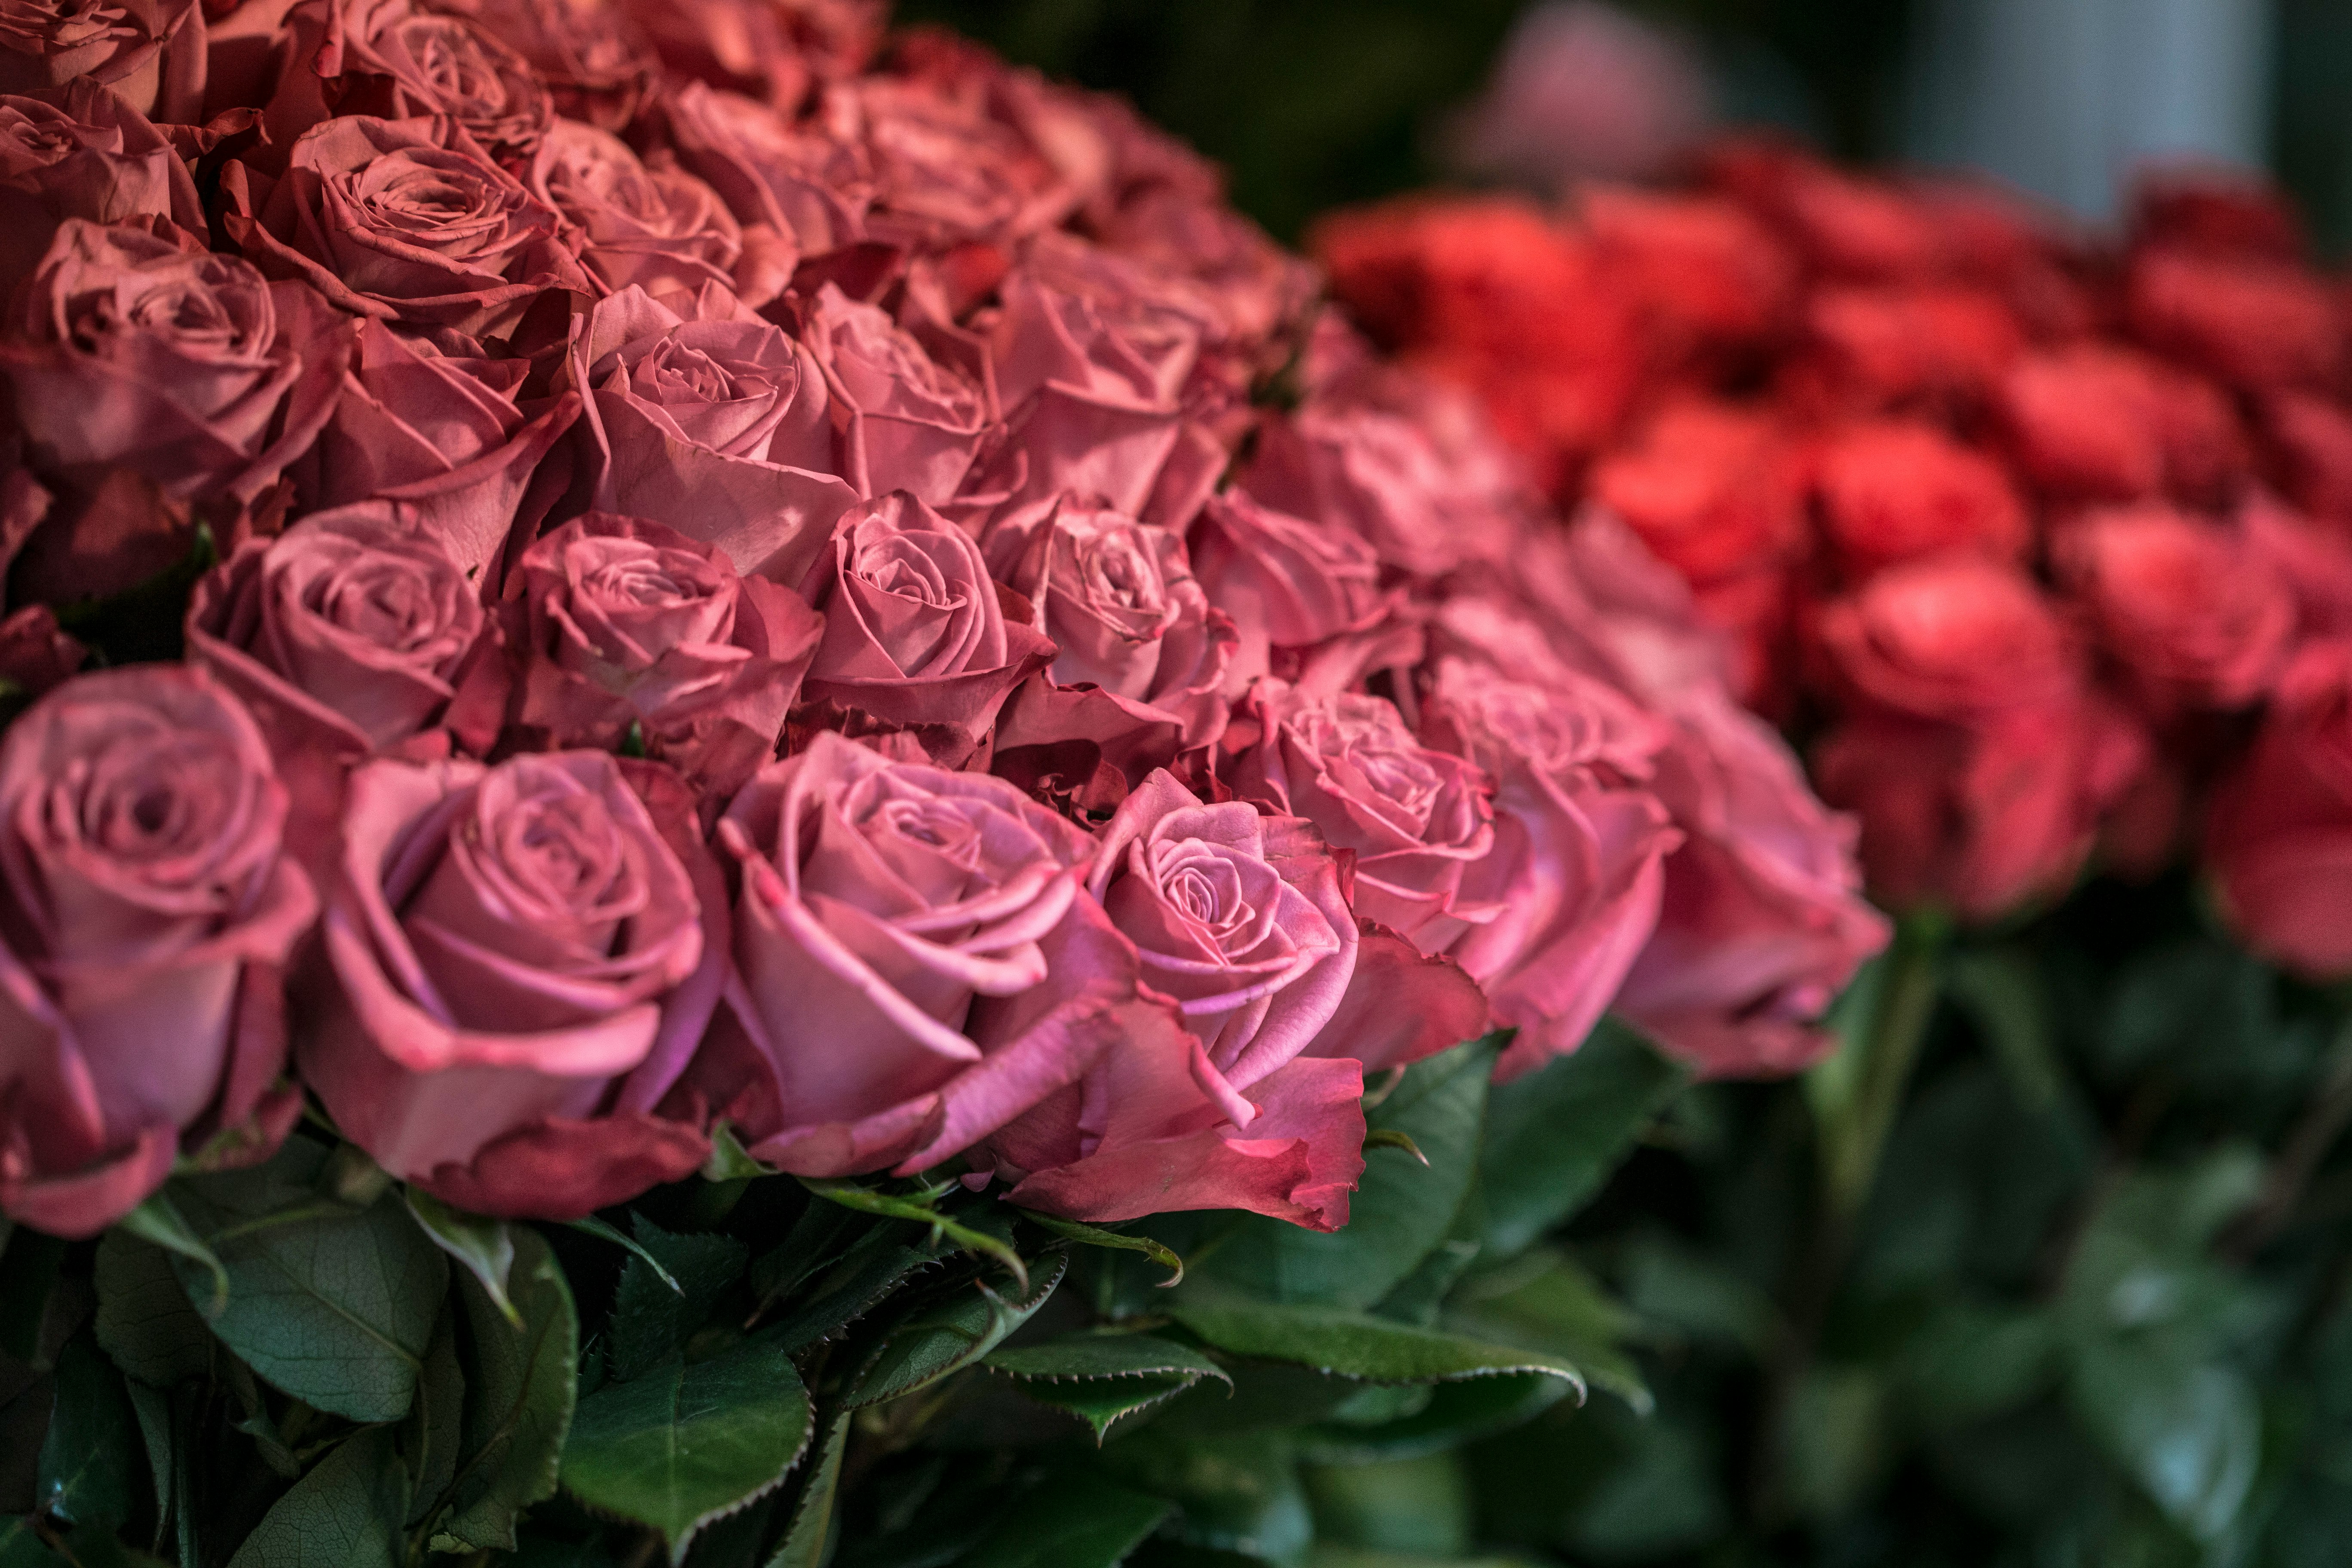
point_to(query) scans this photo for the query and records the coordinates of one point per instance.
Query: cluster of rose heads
(2046, 544)
(715, 566)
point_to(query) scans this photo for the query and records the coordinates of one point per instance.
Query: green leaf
(21, 1547)
(1355, 1345)
(434, 1427)
(1095, 1236)
(1402, 1210)
(1554, 1134)
(728, 1161)
(603, 1230)
(346, 1513)
(665, 1292)
(159, 1220)
(90, 1454)
(1447, 1415)
(1416, 1505)
(2190, 1434)
(1078, 1521)
(1240, 1493)
(519, 1392)
(1102, 1378)
(29, 1269)
(333, 1305)
(868, 1276)
(848, 1195)
(946, 1338)
(2000, 989)
(806, 1538)
(1543, 1300)
(152, 1408)
(144, 1320)
(687, 1444)
(484, 1246)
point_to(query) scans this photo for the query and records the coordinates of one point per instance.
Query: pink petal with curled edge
(1401, 1005)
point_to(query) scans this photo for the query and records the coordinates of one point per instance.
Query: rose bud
(617, 624)
(1894, 489)
(440, 438)
(144, 900)
(2195, 615)
(403, 221)
(131, 351)
(881, 903)
(716, 428)
(2279, 838)
(916, 635)
(902, 420)
(518, 963)
(1239, 918)
(1762, 922)
(390, 59)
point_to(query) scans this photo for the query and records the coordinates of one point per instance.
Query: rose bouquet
(749, 676)
(2042, 543)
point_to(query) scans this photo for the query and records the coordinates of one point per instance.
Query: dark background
(1315, 103)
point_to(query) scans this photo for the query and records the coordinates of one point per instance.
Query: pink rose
(617, 623)
(593, 61)
(151, 52)
(1090, 374)
(133, 350)
(143, 899)
(440, 438)
(886, 907)
(1240, 920)
(1260, 291)
(405, 221)
(1563, 903)
(519, 963)
(1141, 655)
(348, 632)
(81, 151)
(1377, 474)
(389, 59)
(916, 636)
(714, 427)
(945, 173)
(1420, 822)
(810, 188)
(771, 48)
(903, 421)
(661, 229)
(1294, 590)
(1762, 922)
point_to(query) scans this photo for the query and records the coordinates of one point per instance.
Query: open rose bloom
(753, 572)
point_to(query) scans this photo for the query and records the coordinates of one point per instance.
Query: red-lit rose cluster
(732, 568)
(2047, 543)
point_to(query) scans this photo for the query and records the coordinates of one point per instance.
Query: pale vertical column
(2064, 98)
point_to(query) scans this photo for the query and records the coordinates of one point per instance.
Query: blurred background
(1314, 103)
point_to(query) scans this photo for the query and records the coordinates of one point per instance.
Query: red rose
(1869, 348)
(1955, 638)
(2249, 323)
(1891, 490)
(1707, 274)
(519, 965)
(2195, 616)
(1709, 487)
(2311, 452)
(2098, 423)
(2279, 838)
